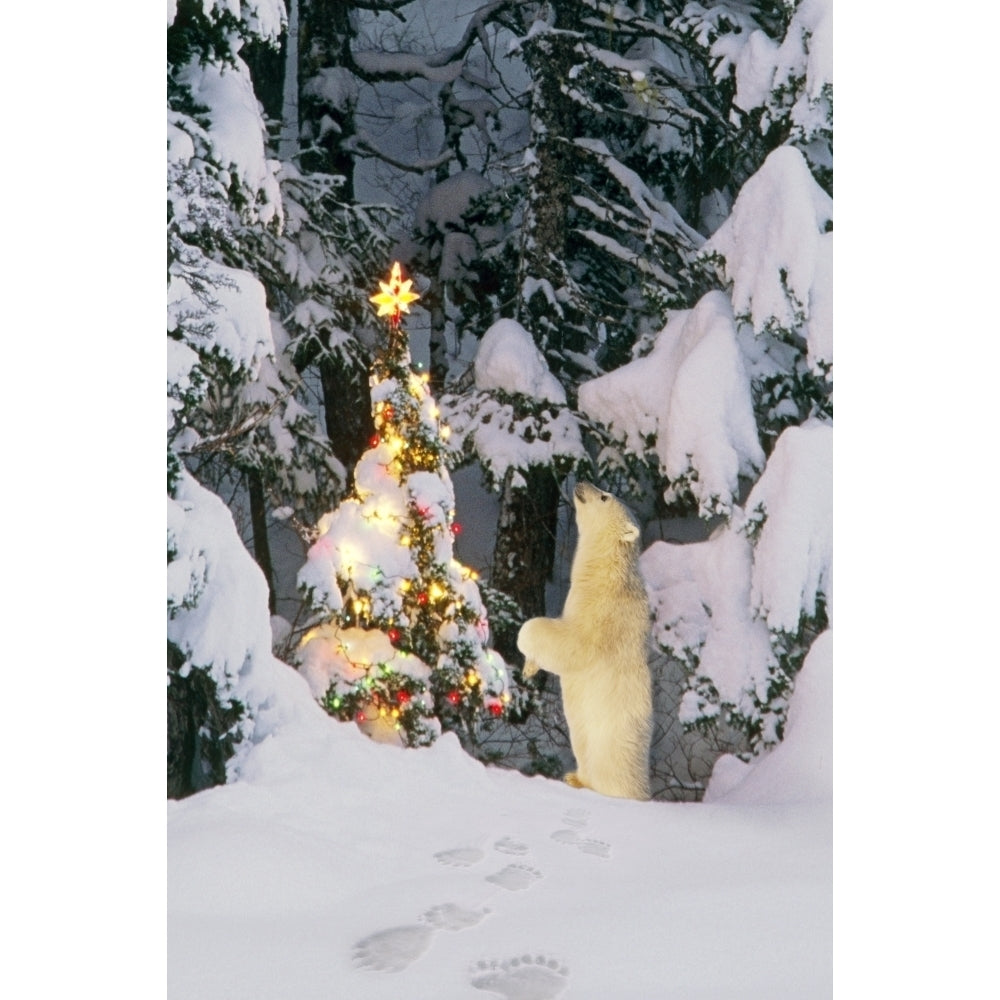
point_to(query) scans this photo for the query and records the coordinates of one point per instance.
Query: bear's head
(600, 514)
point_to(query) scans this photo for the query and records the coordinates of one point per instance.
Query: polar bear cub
(597, 647)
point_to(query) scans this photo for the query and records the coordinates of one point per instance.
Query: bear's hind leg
(579, 741)
(621, 778)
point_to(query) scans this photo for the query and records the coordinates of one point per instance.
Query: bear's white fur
(597, 647)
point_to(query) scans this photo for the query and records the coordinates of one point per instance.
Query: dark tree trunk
(325, 34)
(524, 554)
(347, 407)
(548, 223)
(261, 543)
(438, 344)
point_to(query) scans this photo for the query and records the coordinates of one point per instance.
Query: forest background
(109, 289)
(620, 220)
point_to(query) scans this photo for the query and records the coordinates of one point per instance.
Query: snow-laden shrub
(741, 609)
(517, 416)
(686, 407)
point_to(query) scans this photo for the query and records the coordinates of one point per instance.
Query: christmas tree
(401, 647)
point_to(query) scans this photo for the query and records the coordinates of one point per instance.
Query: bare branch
(439, 67)
(361, 145)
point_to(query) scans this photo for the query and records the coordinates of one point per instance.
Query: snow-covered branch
(661, 215)
(363, 145)
(439, 67)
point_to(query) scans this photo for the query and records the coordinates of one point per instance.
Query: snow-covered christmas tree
(401, 647)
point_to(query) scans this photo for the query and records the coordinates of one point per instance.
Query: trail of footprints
(524, 977)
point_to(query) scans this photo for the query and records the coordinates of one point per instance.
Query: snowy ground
(339, 868)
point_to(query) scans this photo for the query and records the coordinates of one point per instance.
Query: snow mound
(228, 629)
(807, 51)
(793, 500)
(690, 396)
(800, 768)
(771, 243)
(700, 598)
(508, 360)
(237, 322)
(237, 130)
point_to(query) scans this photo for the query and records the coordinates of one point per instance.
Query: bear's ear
(630, 532)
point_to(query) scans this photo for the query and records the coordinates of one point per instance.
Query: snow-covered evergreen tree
(777, 58)
(630, 160)
(599, 244)
(402, 644)
(741, 609)
(775, 255)
(222, 195)
(307, 414)
(332, 243)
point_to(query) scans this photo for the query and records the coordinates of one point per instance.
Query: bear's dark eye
(603, 498)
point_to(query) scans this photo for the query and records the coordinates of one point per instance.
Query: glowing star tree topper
(395, 296)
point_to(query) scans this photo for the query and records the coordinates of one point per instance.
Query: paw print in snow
(460, 857)
(526, 978)
(507, 845)
(515, 877)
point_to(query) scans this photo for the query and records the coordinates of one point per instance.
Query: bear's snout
(584, 490)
